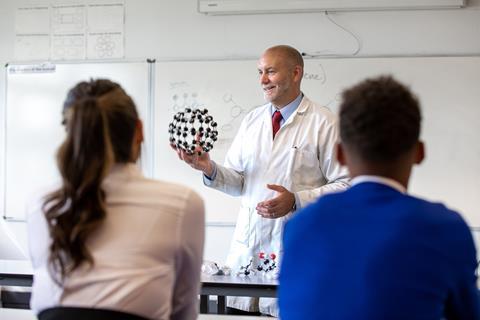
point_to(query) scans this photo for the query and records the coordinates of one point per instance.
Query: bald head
(291, 55)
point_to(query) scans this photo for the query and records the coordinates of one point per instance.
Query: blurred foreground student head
(374, 251)
(108, 237)
(379, 130)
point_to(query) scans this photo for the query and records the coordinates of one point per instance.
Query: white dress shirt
(147, 252)
(379, 179)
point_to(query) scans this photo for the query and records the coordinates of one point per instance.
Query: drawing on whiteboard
(236, 111)
(186, 100)
(179, 84)
(315, 81)
(333, 104)
(321, 76)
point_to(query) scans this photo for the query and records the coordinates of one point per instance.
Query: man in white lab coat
(277, 163)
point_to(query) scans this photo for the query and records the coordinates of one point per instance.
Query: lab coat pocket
(304, 166)
(242, 229)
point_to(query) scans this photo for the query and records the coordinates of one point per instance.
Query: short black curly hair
(379, 119)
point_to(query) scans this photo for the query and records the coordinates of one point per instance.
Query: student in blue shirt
(373, 251)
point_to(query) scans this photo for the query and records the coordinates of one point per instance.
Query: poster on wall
(32, 33)
(70, 31)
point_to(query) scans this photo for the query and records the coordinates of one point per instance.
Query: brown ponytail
(100, 132)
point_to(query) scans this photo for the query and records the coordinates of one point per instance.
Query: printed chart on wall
(70, 31)
(446, 86)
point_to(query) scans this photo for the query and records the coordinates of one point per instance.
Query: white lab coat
(301, 158)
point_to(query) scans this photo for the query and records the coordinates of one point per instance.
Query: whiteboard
(448, 88)
(33, 130)
(228, 90)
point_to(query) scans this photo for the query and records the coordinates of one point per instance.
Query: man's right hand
(200, 162)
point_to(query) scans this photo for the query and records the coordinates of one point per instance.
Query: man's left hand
(278, 206)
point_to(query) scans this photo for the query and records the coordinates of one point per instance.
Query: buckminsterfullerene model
(193, 130)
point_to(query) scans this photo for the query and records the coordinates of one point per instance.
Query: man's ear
(298, 73)
(340, 154)
(419, 152)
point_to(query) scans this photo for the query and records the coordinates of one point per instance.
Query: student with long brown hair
(108, 237)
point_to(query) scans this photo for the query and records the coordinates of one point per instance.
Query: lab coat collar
(300, 110)
(304, 104)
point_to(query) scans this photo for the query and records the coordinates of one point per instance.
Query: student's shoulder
(166, 193)
(431, 207)
(167, 187)
(438, 215)
(313, 212)
(451, 230)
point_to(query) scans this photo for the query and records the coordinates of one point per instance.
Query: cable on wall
(323, 52)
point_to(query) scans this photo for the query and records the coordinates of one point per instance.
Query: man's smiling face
(277, 79)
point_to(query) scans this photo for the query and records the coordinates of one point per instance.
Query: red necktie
(277, 117)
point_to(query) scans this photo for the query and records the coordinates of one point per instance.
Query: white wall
(173, 30)
(180, 32)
